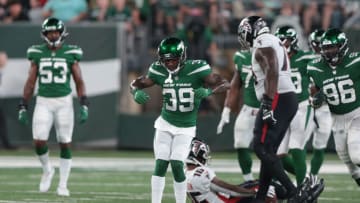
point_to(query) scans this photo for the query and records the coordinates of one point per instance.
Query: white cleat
(63, 191)
(45, 182)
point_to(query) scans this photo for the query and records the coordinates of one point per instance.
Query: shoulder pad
(74, 51)
(34, 52)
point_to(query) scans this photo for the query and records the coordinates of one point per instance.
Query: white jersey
(285, 83)
(199, 185)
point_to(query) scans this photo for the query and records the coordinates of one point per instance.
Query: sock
(177, 168)
(65, 168)
(248, 177)
(160, 167)
(299, 157)
(288, 164)
(180, 191)
(245, 161)
(45, 162)
(65, 153)
(157, 188)
(316, 161)
(40, 150)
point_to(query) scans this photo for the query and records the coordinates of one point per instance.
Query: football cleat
(45, 181)
(63, 191)
(308, 191)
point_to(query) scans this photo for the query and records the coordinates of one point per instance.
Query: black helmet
(250, 28)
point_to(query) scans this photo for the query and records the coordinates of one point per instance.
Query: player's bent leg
(64, 169)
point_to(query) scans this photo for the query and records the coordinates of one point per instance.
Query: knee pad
(177, 168)
(160, 167)
(65, 153)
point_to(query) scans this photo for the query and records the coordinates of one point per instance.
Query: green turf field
(104, 184)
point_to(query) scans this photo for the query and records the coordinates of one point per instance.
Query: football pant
(323, 130)
(53, 111)
(244, 127)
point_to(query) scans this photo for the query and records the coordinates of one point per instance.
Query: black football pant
(267, 140)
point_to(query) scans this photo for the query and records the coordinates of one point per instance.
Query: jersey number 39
(183, 102)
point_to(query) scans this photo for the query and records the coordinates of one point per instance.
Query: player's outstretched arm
(233, 190)
(217, 83)
(136, 85)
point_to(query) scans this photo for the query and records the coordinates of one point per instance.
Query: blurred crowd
(197, 22)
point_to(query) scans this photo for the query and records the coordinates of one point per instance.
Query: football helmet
(199, 153)
(250, 28)
(288, 37)
(172, 54)
(314, 40)
(53, 24)
(333, 46)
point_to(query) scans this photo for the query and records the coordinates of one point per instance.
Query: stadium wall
(101, 69)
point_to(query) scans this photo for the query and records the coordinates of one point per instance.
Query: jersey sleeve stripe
(239, 54)
(31, 50)
(156, 72)
(307, 57)
(314, 69)
(352, 62)
(206, 67)
(74, 51)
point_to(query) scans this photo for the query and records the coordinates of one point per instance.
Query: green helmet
(172, 48)
(315, 39)
(287, 33)
(333, 45)
(53, 24)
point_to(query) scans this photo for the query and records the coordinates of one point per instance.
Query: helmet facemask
(288, 38)
(53, 25)
(249, 29)
(315, 39)
(172, 54)
(199, 153)
(333, 46)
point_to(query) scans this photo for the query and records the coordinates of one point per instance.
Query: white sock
(180, 192)
(45, 162)
(157, 188)
(65, 168)
(248, 177)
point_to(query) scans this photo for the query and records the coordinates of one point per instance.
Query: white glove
(225, 118)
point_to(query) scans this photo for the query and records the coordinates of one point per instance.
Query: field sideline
(125, 177)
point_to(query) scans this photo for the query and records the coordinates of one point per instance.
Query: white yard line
(144, 164)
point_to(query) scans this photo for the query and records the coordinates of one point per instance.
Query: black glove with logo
(267, 111)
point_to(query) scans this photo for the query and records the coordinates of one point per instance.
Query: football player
(244, 124)
(302, 125)
(322, 114)
(52, 64)
(183, 87)
(276, 91)
(204, 186)
(336, 76)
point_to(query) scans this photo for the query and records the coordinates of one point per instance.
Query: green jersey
(340, 84)
(54, 68)
(242, 62)
(299, 76)
(180, 107)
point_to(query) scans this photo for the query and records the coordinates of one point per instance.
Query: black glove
(267, 112)
(318, 99)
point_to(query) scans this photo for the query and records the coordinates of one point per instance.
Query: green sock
(244, 159)
(65, 153)
(177, 167)
(288, 164)
(40, 150)
(160, 167)
(317, 160)
(299, 157)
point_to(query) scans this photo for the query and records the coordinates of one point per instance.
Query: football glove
(201, 92)
(84, 109)
(225, 118)
(84, 114)
(318, 99)
(22, 112)
(266, 110)
(140, 96)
